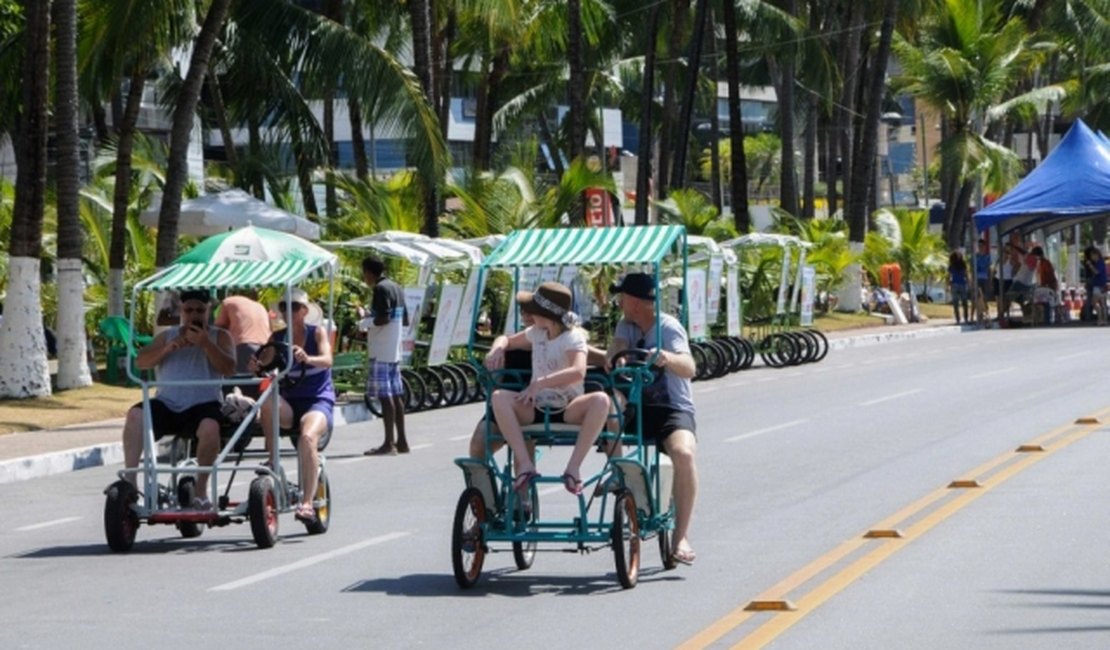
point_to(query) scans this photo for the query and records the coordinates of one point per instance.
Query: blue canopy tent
(1071, 185)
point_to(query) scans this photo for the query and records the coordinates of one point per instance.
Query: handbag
(549, 399)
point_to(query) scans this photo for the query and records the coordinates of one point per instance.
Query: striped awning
(230, 275)
(545, 247)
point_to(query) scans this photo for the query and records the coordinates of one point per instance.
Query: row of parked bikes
(456, 383)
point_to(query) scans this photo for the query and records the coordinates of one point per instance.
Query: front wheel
(321, 503)
(262, 511)
(468, 550)
(524, 553)
(120, 521)
(186, 492)
(626, 539)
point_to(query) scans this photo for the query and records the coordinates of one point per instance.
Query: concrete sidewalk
(33, 454)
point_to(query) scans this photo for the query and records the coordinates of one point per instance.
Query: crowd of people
(1026, 280)
(195, 345)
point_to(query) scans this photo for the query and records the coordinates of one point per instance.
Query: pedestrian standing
(957, 283)
(384, 329)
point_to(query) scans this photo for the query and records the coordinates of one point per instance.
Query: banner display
(414, 302)
(529, 279)
(695, 290)
(450, 295)
(465, 319)
(716, 266)
(809, 291)
(549, 274)
(599, 211)
(732, 302)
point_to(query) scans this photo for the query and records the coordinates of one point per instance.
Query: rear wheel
(669, 562)
(186, 492)
(321, 503)
(626, 539)
(468, 550)
(373, 404)
(434, 389)
(415, 390)
(262, 511)
(120, 521)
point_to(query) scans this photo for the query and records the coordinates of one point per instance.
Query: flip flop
(381, 451)
(524, 479)
(305, 514)
(684, 556)
(572, 483)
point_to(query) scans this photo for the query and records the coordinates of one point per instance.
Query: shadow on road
(502, 582)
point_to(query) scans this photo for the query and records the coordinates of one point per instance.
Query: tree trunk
(24, 371)
(864, 166)
(670, 90)
(738, 180)
(304, 171)
(421, 16)
(358, 143)
(121, 197)
(224, 125)
(826, 144)
(576, 87)
(693, 71)
(184, 114)
(100, 122)
(647, 102)
(73, 366)
(333, 12)
(446, 69)
(809, 165)
(843, 115)
(788, 186)
(492, 75)
(714, 121)
(254, 145)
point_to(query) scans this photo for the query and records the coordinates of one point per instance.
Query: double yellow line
(886, 539)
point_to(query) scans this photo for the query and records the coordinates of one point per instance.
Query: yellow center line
(739, 615)
(779, 623)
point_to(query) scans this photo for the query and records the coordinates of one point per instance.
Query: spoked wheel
(262, 510)
(120, 521)
(468, 550)
(669, 562)
(524, 553)
(823, 341)
(415, 390)
(626, 539)
(373, 404)
(434, 388)
(458, 378)
(321, 502)
(186, 492)
(700, 362)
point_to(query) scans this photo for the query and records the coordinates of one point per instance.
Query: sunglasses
(283, 305)
(194, 310)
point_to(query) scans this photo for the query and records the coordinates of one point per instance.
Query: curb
(111, 453)
(864, 340)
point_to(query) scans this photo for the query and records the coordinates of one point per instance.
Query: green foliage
(763, 156)
(692, 209)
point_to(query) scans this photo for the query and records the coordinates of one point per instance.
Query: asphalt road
(796, 465)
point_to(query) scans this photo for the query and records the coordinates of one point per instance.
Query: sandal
(202, 504)
(572, 483)
(305, 513)
(525, 479)
(684, 556)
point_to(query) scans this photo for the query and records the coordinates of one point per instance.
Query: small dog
(236, 406)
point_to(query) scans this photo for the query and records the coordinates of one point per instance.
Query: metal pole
(924, 162)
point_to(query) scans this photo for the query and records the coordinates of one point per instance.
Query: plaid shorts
(384, 380)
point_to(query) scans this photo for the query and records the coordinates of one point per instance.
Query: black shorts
(166, 421)
(556, 417)
(659, 422)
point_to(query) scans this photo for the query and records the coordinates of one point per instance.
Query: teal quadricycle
(628, 501)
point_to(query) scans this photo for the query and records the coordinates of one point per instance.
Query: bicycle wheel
(625, 535)
(457, 380)
(699, 361)
(414, 390)
(468, 547)
(749, 353)
(524, 553)
(724, 358)
(433, 388)
(824, 342)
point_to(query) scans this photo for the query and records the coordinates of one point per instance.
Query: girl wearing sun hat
(559, 351)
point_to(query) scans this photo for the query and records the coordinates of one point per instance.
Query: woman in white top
(558, 372)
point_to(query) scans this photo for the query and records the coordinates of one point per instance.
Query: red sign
(598, 208)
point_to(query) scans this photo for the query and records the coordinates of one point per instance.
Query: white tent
(213, 214)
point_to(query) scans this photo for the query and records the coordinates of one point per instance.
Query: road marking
(890, 397)
(759, 432)
(1073, 356)
(347, 461)
(421, 446)
(710, 389)
(843, 366)
(458, 438)
(739, 615)
(308, 561)
(992, 373)
(46, 524)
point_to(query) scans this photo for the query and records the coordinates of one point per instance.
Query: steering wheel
(637, 358)
(274, 356)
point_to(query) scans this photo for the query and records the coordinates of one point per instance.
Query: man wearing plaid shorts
(384, 327)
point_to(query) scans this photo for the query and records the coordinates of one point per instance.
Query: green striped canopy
(632, 245)
(247, 257)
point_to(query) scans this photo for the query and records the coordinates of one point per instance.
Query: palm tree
(691, 208)
(183, 117)
(73, 367)
(968, 58)
(423, 26)
(108, 56)
(23, 368)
